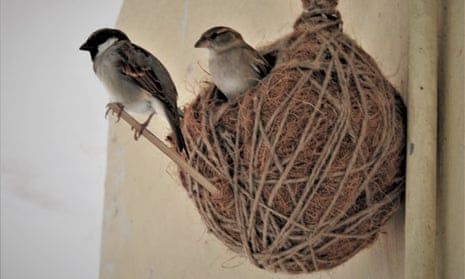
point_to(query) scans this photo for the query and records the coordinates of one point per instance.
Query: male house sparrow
(234, 65)
(135, 79)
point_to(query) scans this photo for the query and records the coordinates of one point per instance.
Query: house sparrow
(234, 65)
(135, 79)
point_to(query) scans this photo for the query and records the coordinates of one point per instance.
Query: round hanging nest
(310, 162)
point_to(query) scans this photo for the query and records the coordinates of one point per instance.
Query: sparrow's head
(219, 38)
(101, 39)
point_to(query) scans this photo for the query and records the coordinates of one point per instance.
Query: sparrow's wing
(146, 70)
(257, 62)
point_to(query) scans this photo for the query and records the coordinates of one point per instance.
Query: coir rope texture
(309, 163)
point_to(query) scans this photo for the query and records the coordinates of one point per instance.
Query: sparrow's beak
(202, 43)
(85, 47)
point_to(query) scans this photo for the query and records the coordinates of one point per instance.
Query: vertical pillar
(420, 221)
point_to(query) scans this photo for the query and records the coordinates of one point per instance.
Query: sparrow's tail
(180, 142)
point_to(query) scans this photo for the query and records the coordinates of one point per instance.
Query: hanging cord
(166, 150)
(319, 4)
(319, 14)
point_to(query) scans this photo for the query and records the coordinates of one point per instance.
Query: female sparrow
(234, 65)
(135, 79)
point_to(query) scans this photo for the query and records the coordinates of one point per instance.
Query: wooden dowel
(166, 150)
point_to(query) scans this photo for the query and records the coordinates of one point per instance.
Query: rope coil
(309, 163)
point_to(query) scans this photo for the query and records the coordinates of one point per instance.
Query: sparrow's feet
(139, 130)
(118, 113)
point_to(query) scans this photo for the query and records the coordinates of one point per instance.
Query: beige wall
(451, 223)
(151, 228)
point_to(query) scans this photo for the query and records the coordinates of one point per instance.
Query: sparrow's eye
(214, 36)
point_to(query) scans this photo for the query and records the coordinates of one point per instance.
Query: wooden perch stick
(165, 149)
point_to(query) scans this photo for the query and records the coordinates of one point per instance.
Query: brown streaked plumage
(135, 79)
(234, 65)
